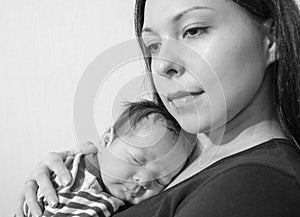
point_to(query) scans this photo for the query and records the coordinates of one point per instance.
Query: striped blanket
(84, 197)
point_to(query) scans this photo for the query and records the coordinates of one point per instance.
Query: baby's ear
(100, 145)
(108, 136)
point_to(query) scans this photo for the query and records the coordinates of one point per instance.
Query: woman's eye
(195, 32)
(153, 48)
(136, 161)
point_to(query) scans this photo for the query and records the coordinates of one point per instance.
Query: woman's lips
(183, 98)
(183, 94)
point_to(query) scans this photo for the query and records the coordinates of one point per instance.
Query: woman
(253, 48)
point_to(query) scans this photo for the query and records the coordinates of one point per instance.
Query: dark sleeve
(244, 191)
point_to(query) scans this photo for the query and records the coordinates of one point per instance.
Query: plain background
(45, 45)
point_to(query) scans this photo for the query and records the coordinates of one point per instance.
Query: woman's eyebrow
(179, 16)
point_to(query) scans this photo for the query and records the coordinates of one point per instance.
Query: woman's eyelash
(153, 47)
(195, 32)
(136, 161)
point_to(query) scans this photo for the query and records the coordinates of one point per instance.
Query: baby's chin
(134, 200)
(137, 200)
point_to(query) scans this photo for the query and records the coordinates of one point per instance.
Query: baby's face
(138, 166)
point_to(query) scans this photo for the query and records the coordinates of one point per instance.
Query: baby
(138, 156)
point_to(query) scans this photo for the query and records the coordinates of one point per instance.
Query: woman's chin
(194, 125)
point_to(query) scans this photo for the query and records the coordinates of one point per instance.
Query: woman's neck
(255, 124)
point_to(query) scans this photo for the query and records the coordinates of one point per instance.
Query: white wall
(45, 45)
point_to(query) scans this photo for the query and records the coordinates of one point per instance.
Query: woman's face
(227, 72)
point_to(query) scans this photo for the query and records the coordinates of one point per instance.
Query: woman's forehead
(158, 11)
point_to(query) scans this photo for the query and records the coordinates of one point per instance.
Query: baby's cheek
(115, 167)
(118, 173)
(153, 191)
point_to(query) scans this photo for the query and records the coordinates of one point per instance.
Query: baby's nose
(143, 179)
(145, 185)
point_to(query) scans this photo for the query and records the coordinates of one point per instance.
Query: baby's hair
(136, 112)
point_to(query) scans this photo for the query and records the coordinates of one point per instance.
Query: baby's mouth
(135, 192)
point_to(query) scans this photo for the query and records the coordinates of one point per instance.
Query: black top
(261, 181)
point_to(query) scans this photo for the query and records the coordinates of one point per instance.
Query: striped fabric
(84, 197)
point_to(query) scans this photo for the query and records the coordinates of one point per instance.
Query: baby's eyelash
(159, 182)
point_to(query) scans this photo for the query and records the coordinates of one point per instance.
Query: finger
(56, 164)
(86, 148)
(20, 202)
(31, 198)
(64, 154)
(42, 177)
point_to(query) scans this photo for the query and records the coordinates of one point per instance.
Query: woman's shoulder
(277, 158)
(247, 189)
(262, 181)
(275, 154)
(278, 155)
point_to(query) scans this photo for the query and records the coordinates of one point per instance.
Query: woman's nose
(168, 63)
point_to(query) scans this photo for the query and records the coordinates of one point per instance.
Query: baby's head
(145, 150)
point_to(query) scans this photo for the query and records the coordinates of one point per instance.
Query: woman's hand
(40, 178)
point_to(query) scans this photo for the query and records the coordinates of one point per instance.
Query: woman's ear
(269, 29)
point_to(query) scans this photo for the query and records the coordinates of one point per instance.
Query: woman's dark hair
(286, 75)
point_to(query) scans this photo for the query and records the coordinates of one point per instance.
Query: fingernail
(66, 179)
(37, 214)
(52, 202)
